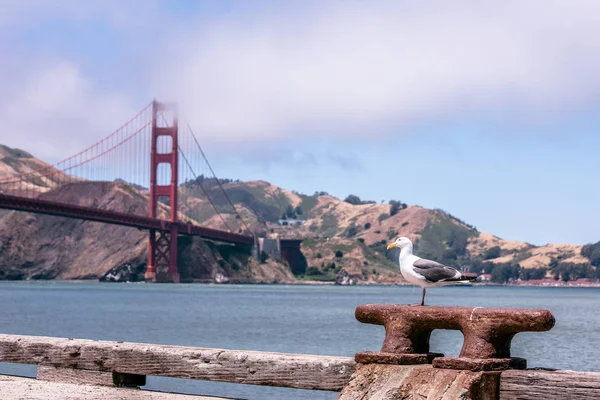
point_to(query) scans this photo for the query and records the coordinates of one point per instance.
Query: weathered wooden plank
(88, 377)
(16, 388)
(549, 385)
(250, 367)
(387, 381)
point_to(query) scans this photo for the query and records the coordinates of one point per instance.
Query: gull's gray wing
(434, 271)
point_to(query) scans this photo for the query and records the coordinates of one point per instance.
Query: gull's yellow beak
(391, 246)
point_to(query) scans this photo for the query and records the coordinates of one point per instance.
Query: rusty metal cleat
(488, 333)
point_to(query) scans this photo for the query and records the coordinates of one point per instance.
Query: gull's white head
(401, 243)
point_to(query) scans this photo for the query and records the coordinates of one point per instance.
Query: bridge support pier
(173, 271)
(162, 254)
(162, 249)
(150, 275)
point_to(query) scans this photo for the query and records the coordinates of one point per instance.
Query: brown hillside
(15, 162)
(34, 246)
(338, 237)
(330, 223)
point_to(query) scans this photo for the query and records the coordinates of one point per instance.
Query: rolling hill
(361, 230)
(341, 239)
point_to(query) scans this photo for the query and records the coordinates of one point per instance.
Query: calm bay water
(291, 319)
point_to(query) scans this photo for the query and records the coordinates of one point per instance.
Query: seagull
(422, 272)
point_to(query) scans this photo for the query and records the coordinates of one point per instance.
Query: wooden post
(386, 381)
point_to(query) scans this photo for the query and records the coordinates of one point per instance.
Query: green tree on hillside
(503, 272)
(352, 231)
(571, 272)
(458, 242)
(533, 273)
(352, 199)
(493, 252)
(396, 206)
(592, 252)
(355, 200)
(289, 211)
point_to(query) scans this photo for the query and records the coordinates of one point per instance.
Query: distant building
(291, 222)
(469, 274)
(484, 277)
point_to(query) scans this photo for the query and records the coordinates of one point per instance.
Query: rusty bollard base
(375, 357)
(488, 333)
(480, 364)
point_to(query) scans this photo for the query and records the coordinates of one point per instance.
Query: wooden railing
(83, 363)
(128, 364)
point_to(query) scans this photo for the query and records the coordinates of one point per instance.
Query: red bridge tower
(162, 249)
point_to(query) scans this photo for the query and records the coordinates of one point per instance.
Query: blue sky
(488, 112)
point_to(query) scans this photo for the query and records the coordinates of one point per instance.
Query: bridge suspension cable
(120, 156)
(203, 190)
(72, 161)
(216, 178)
(131, 177)
(123, 156)
(187, 162)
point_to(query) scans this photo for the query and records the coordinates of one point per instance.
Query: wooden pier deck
(17, 388)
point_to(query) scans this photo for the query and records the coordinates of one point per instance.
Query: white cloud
(350, 68)
(49, 106)
(53, 111)
(333, 69)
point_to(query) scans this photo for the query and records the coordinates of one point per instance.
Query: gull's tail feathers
(462, 279)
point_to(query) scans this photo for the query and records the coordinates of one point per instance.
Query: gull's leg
(423, 298)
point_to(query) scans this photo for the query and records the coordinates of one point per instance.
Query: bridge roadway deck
(112, 217)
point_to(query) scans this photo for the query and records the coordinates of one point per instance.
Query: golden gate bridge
(148, 149)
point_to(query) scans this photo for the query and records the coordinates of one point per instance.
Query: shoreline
(315, 283)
